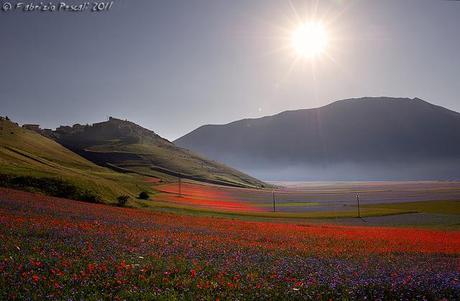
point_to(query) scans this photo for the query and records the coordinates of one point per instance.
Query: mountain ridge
(376, 98)
(367, 131)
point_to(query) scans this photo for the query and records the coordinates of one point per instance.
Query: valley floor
(55, 248)
(422, 204)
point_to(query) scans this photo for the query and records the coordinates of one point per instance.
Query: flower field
(210, 197)
(54, 248)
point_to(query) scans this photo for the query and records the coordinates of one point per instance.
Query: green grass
(26, 154)
(436, 207)
(183, 209)
(176, 160)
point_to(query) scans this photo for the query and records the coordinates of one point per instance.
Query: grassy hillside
(29, 160)
(126, 146)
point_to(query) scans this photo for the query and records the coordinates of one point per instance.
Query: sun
(310, 40)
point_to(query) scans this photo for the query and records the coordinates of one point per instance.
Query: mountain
(126, 146)
(31, 161)
(355, 139)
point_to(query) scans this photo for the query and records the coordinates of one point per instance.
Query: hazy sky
(172, 66)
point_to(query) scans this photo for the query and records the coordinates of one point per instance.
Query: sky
(172, 66)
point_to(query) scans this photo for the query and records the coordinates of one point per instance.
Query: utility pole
(180, 186)
(274, 202)
(357, 199)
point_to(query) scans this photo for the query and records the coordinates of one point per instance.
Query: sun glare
(310, 40)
